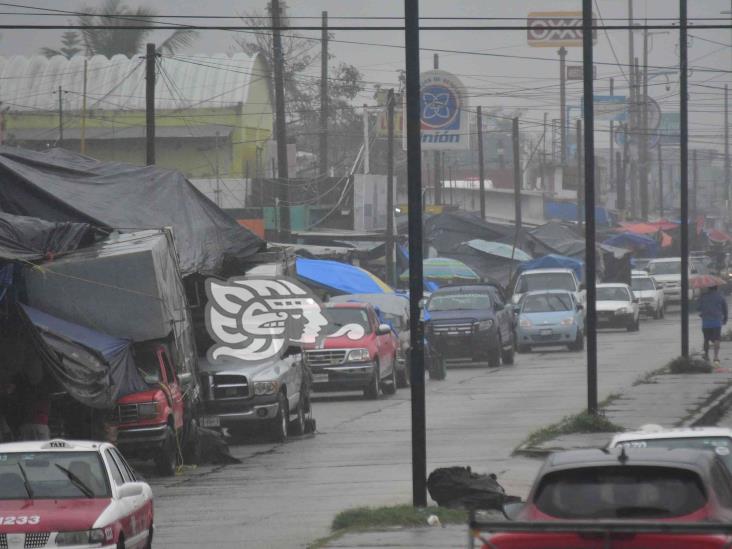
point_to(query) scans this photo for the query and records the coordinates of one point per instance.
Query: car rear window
(547, 303)
(625, 492)
(612, 294)
(545, 281)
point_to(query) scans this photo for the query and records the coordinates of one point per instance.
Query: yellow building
(213, 113)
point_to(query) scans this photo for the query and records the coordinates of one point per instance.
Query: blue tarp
(95, 368)
(567, 211)
(338, 278)
(553, 261)
(634, 242)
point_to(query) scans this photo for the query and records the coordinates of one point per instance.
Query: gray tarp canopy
(59, 185)
(31, 239)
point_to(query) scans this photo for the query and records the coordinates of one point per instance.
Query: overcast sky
(499, 73)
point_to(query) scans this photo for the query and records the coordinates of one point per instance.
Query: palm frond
(181, 38)
(50, 52)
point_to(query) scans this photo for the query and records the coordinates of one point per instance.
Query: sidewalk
(671, 400)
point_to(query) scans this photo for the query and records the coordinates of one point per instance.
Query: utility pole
(390, 271)
(684, 142)
(60, 117)
(589, 180)
(218, 172)
(660, 180)
(580, 180)
(694, 191)
(619, 182)
(727, 182)
(437, 195)
(324, 97)
(280, 127)
(517, 175)
(644, 132)
(366, 146)
(543, 154)
(626, 169)
(481, 166)
(82, 140)
(563, 106)
(612, 137)
(150, 59)
(631, 64)
(414, 178)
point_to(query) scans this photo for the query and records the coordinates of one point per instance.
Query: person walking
(713, 312)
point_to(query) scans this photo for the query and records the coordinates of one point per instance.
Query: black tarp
(58, 185)
(96, 369)
(561, 238)
(31, 239)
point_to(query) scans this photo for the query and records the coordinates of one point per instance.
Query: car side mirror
(130, 490)
(383, 329)
(498, 307)
(579, 306)
(636, 300)
(516, 309)
(292, 350)
(512, 509)
(582, 286)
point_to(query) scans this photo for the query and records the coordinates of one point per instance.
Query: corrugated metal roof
(196, 81)
(197, 131)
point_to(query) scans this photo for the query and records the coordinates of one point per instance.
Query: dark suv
(468, 322)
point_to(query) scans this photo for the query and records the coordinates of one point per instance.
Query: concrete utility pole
(619, 182)
(324, 97)
(563, 106)
(727, 182)
(150, 60)
(280, 127)
(517, 174)
(437, 195)
(684, 142)
(82, 139)
(626, 169)
(542, 164)
(390, 270)
(481, 166)
(60, 117)
(612, 139)
(660, 180)
(580, 180)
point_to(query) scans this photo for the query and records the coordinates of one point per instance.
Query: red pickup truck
(357, 353)
(156, 424)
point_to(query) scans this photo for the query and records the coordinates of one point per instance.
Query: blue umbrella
(340, 278)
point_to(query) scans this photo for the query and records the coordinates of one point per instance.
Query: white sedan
(617, 307)
(73, 494)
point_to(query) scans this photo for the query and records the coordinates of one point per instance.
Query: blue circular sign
(440, 107)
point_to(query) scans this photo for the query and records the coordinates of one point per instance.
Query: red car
(358, 353)
(626, 486)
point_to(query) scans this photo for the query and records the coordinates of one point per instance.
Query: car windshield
(665, 268)
(459, 301)
(340, 317)
(722, 446)
(52, 475)
(546, 303)
(640, 284)
(545, 281)
(612, 294)
(638, 492)
(148, 366)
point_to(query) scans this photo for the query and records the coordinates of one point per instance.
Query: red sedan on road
(623, 489)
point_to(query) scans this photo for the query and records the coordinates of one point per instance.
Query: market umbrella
(705, 281)
(443, 269)
(339, 278)
(498, 249)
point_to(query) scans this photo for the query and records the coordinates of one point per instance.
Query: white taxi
(73, 494)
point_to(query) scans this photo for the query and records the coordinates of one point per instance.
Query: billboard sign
(382, 123)
(445, 125)
(552, 29)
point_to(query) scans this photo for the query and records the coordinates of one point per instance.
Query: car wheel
(279, 424)
(121, 543)
(663, 311)
(507, 355)
(403, 376)
(494, 356)
(657, 313)
(297, 427)
(372, 391)
(579, 342)
(637, 324)
(166, 459)
(438, 371)
(150, 532)
(192, 446)
(524, 349)
(390, 386)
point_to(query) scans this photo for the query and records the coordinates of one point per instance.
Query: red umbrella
(705, 281)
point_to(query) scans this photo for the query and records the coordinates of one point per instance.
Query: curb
(712, 412)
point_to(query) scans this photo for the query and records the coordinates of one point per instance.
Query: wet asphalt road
(285, 495)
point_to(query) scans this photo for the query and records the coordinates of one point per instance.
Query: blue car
(549, 317)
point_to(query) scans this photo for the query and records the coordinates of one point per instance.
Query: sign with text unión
(444, 122)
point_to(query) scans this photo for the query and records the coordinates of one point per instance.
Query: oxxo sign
(444, 122)
(551, 29)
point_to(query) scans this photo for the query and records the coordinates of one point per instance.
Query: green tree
(302, 88)
(70, 46)
(112, 41)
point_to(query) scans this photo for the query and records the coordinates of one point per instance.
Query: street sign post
(552, 29)
(574, 72)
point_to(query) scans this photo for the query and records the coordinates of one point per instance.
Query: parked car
(626, 484)
(393, 309)
(271, 397)
(469, 322)
(357, 353)
(548, 279)
(651, 296)
(77, 494)
(617, 307)
(155, 424)
(667, 273)
(549, 318)
(716, 439)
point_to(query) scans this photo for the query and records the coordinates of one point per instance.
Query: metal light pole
(684, 98)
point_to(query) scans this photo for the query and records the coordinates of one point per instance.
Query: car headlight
(525, 323)
(567, 321)
(148, 410)
(484, 324)
(623, 311)
(358, 355)
(85, 537)
(262, 388)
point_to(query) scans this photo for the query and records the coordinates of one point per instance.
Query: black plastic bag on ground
(459, 487)
(214, 448)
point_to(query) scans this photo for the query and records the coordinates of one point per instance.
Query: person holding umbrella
(713, 312)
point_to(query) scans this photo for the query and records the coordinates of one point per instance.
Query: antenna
(623, 457)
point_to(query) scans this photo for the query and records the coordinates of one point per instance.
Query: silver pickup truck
(271, 397)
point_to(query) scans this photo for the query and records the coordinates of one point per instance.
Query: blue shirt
(713, 310)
